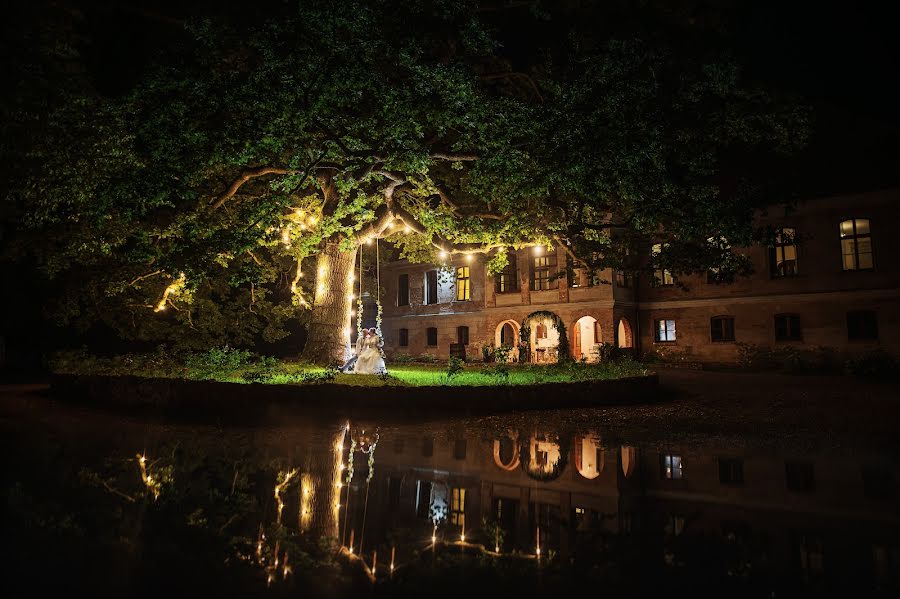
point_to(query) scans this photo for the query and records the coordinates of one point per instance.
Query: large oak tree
(261, 152)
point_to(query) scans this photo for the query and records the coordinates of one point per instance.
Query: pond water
(105, 505)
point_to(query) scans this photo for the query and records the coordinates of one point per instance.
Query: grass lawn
(236, 366)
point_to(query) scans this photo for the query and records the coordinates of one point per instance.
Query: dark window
(431, 287)
(463, 289)
(427, 447)
(721, 328)
(507, 335)
(398, 444)
(671, 467)
(878, 484)
(783, 254)
(799, 476)
(404, 337)
(856, 244)
(623, 279)
(731, 471)
(431, 336)
(665, 330)
(787, 327)
(403, 290)
(459, 449)
(507, 280)
(862, 324)
(462, 335)
(543, 268)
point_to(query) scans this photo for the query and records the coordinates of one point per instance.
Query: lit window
(665, 330)
(463, 291)
(672, 467)
(431, 287)
(721, 329)
(507, 280)
(862, 325)
(783, 254)
(541, 273)
(540, 332)
(458, 507)
(675, 525)
(787, 327)
(856, 244)
(431, 336)
(662, 277)
(404, 337)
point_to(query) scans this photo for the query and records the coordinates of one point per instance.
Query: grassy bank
(238, 366)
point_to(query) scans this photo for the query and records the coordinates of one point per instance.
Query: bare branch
(245, 176)
(146, 276)
(451, 157)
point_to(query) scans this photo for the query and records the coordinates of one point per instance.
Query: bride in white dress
(369, 359)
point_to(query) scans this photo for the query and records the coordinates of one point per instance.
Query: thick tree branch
(246, 175)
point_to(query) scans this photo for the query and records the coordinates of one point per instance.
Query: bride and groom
(368, 358)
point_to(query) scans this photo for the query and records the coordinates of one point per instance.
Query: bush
(428, 358)
(877, 364)
(455, 365)
(218, 361)
(788, 358)
(402, 359)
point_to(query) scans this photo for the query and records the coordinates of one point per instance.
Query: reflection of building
(805, 520)
(826, 279)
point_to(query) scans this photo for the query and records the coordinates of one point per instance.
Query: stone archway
(543, 334)
(624, 336)
(586, 336)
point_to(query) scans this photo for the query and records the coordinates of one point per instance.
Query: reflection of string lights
(152, 484)
(279, 488)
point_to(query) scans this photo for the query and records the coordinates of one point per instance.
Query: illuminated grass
(276, 372)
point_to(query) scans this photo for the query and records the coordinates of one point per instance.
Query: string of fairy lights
(302, 221)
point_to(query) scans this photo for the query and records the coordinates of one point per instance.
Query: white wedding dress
(369, 360)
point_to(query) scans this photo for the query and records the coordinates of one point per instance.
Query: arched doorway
(624, 337)
(586, 336)
(507, 333)
(547, 340)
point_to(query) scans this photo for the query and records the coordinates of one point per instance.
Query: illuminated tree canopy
(274, 145)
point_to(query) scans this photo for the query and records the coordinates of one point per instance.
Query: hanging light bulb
(443, 254)
(538, 250)
(468, 257)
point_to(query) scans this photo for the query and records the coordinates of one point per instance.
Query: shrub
(877, 364)
(428, 358)
(402, 359)
(455, 365)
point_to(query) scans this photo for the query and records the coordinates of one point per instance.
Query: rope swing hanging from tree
(359, 300)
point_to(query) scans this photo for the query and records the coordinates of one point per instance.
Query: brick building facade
(829, 281)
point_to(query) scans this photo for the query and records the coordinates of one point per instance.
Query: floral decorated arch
(562, 348)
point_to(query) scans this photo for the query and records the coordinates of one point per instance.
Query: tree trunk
(328, 335)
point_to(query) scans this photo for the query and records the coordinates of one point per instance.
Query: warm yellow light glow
(368, 241)
(443, 254)
(300, 213)
(312, 220)
(538, 250)
(407, 229)
(462, 537)
(469, 258)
